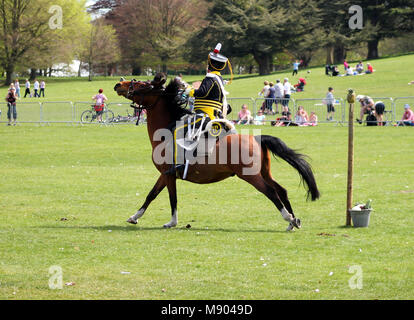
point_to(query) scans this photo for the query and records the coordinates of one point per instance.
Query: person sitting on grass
(370, 69)
(244, 115)
(285, 119)
(359, 67)
(349, 71)
(408, 117)
(313, 119)
(259, 119)
(300, 86)
(301, 117)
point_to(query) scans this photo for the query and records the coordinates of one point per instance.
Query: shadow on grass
(128, 228)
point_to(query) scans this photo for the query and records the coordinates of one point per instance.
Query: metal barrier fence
(272, 108)
(121, 108)
(26, 112)
(236, 105)
(70, 112)
(320, 107)
(60, 111)
(389, 112)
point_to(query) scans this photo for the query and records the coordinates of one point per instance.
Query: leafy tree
(388, 18)
(381, 19)
(27, 39)
(256, 27)
(309, 30)
(100, 48)
(151, 31)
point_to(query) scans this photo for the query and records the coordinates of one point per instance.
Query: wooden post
(351, 101)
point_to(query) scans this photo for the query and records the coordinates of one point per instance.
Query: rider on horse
(210, 99)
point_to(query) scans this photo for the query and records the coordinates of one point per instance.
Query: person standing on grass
(27, 86)
(287, 91)
(100, 99)
(270, 99)
(42, 88)
(379, 108)
(296, 65)
(17, 87)
(330, 100)
(346, 65)
(264, 93)
(278, 94)
(11, 104)
(36, 88)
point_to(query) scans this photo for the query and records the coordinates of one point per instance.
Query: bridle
(153, 88)
(138, 106)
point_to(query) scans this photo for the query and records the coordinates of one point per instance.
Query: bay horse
(162, 110)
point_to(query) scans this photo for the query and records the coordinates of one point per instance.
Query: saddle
(196, 135)
(198, 127)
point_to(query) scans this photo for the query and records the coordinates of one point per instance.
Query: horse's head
(141, 92)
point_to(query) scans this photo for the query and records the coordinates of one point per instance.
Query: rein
(143, 92)
(138, 106)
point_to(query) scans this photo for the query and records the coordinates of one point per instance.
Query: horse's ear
(159, 80)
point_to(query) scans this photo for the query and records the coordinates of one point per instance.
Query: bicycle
(128, 118)
(89, 116)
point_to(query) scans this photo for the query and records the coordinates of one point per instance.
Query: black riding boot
(177, 170)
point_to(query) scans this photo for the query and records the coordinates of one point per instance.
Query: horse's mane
(173, 96)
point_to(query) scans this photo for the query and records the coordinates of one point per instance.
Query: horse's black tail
(296, 160)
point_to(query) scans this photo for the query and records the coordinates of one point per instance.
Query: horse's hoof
(132, 221)
(169, 225)
(297, 223)
(290, 227)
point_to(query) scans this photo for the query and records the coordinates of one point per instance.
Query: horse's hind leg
(158, 187)
(261, 185)
(280, 191)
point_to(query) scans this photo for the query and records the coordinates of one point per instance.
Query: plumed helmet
(216, 60)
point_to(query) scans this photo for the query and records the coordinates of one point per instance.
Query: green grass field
(96, 177)
(237, 248)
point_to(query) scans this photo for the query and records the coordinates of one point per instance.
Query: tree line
(34, 38)
(168, 32)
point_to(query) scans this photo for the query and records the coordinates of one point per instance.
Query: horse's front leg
(158, 187)
(172, 190)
